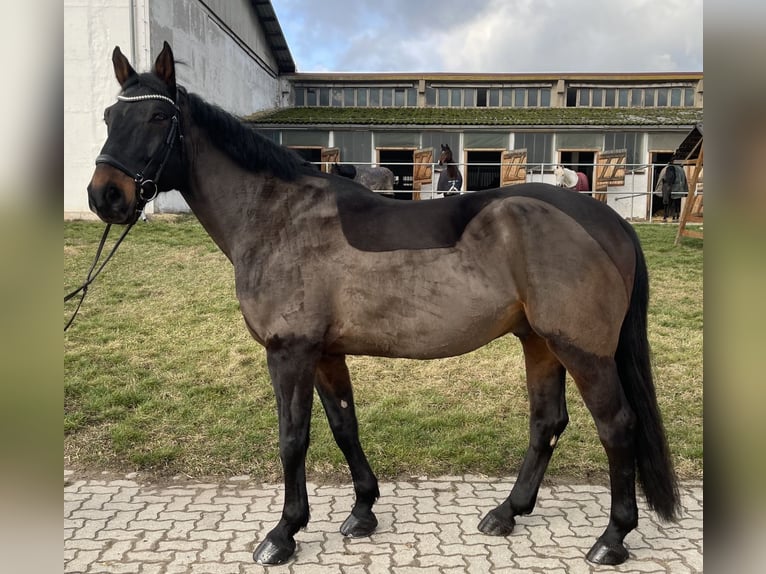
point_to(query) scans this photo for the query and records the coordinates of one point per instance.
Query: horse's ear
(122, 68)
(165, 68)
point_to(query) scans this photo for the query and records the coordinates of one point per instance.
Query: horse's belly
(441, 326)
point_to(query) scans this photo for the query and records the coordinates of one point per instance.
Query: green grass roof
(478, 116)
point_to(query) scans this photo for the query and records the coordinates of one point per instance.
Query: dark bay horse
(450, 179)
(325, 268)
(375, 178)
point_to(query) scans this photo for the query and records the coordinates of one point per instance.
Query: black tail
(655, 468)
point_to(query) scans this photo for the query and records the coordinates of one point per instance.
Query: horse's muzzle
(112, 196)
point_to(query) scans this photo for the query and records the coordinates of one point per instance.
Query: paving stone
(426, 526)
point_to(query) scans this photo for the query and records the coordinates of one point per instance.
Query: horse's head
(344, 170)
(446, 155)
(142, 155)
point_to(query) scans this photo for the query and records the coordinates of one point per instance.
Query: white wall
(91, 30)
(233, 70)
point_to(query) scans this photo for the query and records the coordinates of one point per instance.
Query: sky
(484, 36)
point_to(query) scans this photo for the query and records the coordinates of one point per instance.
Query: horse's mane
(244, 144)
(236, 139)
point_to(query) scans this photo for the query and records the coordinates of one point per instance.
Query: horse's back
(374, 223)
(443, 277)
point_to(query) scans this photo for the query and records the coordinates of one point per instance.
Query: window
(399, 97)
(585, 97)
(571, 97)
(443, 94)
(662, 97)
(481, 97)
(412, 97)
(311, 97)
(622, 97)
(430, 97)
(387, 97)
(468, 97)
(324, 96)
(348, 97)
(532, 97)
(675, 97)
(632, 142)
(300, 97)
(375, 97)
(361, 97)
(336, 97)
(609, 99)
(649, 98)
(545, 97)
(598, 95)
(507, 97)
(519, 95)
(455, 97)
(494, 98)
(539, 146)
(635, 97)
(688, 97)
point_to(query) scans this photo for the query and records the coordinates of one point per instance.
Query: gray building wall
(225, 58)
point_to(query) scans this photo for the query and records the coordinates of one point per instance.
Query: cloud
(494, 35)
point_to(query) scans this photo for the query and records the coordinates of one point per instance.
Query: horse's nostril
(112, 195)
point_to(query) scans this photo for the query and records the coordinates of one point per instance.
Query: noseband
(146, 186)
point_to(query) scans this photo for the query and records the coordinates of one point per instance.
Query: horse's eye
(159, 117)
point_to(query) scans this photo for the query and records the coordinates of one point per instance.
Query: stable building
(619, 129)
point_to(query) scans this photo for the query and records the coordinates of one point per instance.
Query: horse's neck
(220, 193)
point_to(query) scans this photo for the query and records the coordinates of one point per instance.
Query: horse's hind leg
(599, 384)
(334, 387)
(292, 366)
(548, 419)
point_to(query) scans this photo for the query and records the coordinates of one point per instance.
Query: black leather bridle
(146, 187)
(146, 190)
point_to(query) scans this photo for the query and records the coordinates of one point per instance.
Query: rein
(91, 275)
(146, 191)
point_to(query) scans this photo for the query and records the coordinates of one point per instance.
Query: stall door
(330, 155)
(513, 167)
(422, 170)
(610, 170)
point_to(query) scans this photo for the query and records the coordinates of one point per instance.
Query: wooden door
(422, 170)
(513, 167)
(330, 155)
(610, 170)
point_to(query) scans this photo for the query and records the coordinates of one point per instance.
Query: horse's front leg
(292, 366)
(334, 387)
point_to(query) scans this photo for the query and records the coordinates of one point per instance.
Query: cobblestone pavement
(427, 526)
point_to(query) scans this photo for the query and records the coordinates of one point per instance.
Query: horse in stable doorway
(571, 179)
(325, 268)
(450, 179)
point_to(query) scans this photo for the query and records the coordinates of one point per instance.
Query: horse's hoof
(602, 553)
(270, 554)
(495, 526)
(355, 527)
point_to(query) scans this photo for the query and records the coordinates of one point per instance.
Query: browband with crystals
(146, 97)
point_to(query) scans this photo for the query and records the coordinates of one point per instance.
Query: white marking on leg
(343, 404)
(554, 440)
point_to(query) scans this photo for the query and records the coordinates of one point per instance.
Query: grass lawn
(160, 375)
